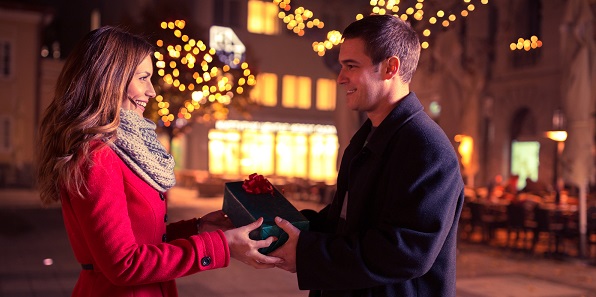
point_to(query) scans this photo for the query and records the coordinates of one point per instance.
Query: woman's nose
(151, 91)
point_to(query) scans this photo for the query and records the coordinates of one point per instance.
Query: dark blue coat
(405, 198)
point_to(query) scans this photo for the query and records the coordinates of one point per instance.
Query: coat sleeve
(315, 219)
(182, 229)
(103, 218)
(422, 192)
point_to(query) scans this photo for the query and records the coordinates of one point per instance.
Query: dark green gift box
(244, 208)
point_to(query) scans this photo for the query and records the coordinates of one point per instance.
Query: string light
(526, 44)
(415, 13)
(187, 70)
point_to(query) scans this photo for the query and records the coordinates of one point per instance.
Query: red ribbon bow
(257, 184)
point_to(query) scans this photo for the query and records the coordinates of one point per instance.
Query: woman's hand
(216, 220)
(246, 250)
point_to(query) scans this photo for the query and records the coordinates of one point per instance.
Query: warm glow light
(526, 44)
(557, 135)
(186, 54)
(234, 150)
(465, 148)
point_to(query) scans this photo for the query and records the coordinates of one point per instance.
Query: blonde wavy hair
(85, 108)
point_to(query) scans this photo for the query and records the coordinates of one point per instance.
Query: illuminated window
(326, 91)
(274, 149)
(224, 147)
(178, 152)
(256, 153)
(95, 19)
(262, 17)
(296, 92)
(5, 59)
(265, 91)
(291, 155)
(525, 160)
(323, 156)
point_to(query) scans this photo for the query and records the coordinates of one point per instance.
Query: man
(391, 228)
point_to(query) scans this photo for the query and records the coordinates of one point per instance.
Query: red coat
(119, 227)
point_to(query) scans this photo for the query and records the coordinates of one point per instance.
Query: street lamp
(558, 135)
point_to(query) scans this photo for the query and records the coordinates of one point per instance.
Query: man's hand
(216, 220)
(246, 250)
(287, 251)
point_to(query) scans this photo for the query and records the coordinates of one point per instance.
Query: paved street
(36, 260)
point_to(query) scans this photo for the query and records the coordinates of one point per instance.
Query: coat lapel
(366, 162)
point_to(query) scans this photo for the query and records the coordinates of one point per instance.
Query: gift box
(244, 208)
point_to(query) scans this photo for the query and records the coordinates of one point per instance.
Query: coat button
(165, 218)
(205, 261)
(162, 197)
(164, 238)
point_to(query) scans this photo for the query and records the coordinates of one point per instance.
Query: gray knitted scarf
(137, 145)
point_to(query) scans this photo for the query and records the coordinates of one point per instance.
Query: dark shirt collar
(405, 110)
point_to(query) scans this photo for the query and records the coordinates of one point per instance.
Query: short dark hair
(385, 36)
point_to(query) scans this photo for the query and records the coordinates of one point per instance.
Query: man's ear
(392, 67)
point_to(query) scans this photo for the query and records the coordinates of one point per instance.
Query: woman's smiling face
(140, 89)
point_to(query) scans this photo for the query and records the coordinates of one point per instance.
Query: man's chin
(353, 107)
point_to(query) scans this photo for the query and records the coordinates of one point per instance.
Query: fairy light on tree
(193, 84)
(298, 21)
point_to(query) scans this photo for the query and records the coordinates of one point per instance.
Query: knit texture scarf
(137, 145)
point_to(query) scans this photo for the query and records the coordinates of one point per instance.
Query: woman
(101, 159)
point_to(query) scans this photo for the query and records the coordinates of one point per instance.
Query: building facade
(292, 136)
(493, 79)
(26, 84)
